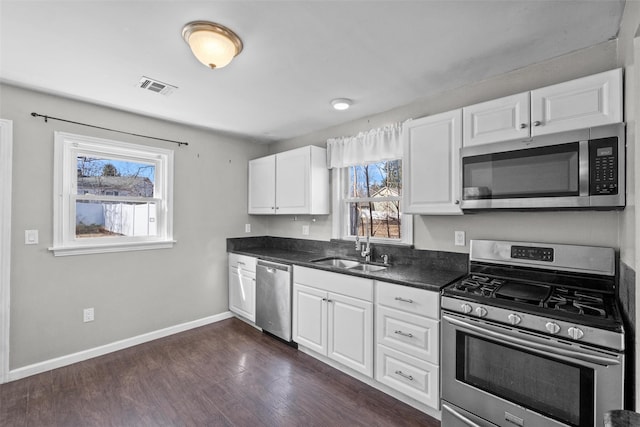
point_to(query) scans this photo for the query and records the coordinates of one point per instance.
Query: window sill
(117, 247)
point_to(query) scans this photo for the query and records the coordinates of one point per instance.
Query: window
(110, 196)
(371, 202)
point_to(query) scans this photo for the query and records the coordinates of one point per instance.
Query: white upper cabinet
(262, 185)
(293, 182)
(587, 102)
(577, 104)
(431, 165)
(497, 120)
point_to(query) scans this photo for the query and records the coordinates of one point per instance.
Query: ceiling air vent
(155, 86)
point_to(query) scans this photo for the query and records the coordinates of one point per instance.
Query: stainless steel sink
(337, 262)
(349, 264)
(368, 268)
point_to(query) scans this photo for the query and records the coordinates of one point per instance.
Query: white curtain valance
(367, 147)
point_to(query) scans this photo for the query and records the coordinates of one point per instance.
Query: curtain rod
(46, 119)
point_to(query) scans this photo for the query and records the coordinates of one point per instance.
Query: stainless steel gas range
(532, 336)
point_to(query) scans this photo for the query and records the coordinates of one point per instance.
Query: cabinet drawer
(244, 262)
(408, 375)
(406, 298)
(409, 333)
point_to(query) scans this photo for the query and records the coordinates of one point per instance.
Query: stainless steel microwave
(575, 169)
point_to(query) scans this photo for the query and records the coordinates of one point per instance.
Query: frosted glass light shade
(212, 44)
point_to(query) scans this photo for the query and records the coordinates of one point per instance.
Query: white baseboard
(69, 359)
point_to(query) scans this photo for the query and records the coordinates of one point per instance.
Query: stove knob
(575, 333)
(552, 327)
(466, 308)
(514, 319)
(481, 311)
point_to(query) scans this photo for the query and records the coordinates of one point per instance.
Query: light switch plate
(247, 228)
(30, 237)
(459, 239)
(305, 230)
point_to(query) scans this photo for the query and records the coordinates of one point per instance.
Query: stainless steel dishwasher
(273, 298)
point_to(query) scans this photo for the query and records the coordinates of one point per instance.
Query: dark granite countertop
(430, 270)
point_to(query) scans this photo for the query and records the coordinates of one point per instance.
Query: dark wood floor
(224, 374)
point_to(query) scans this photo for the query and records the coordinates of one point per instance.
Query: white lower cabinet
(242, 286)
(333, 316)
(407, 341)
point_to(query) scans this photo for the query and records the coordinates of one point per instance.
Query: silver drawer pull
(404, 334)
(410, 301)
(403, 375)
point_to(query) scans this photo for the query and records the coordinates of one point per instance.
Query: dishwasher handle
(272, 266)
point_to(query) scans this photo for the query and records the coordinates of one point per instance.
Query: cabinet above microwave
(577, 104)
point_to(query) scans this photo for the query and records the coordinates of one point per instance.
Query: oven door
(512, 377)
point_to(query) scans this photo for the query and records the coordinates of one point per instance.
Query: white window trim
(339, 226)
(66, 148)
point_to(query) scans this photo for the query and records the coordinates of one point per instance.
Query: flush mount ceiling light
(341, 103)
(212, 44)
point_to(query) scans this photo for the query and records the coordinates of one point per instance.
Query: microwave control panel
(603, 164)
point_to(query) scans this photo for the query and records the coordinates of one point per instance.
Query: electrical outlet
(305, 230)
(247, 228)
(459, 239)
(87, 315)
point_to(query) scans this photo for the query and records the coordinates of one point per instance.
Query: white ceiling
(297, 55)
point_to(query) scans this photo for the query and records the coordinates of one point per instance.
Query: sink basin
(368, 268)
(337, 262)
(349, 264)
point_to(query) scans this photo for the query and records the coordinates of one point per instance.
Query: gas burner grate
(479, 285)
(578, 302)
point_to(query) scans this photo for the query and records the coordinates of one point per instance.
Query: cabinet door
(310, 318)
(242, 293)
(431, 167)
(292, 181)
(586, 102)
(350, 336)
(262, 181)
(496, 120)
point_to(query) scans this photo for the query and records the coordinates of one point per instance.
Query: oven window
(537, 172)
(556, 389)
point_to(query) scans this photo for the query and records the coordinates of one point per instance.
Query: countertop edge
(396, 274)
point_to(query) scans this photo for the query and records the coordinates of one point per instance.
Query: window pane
(380, 219)
(108, 219)
(382, 179)
(113, 177)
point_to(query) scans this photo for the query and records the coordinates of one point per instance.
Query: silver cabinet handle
(457, 202)
(537, 123)
(404, 334)
(523, 125)
(410, 301)
(403, 375)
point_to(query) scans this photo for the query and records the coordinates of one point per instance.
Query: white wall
(437, 232)
(132, 292)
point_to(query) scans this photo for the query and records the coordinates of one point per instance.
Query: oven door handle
(526, 344)
(459, 416)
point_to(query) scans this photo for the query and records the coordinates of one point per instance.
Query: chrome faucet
(366, 252)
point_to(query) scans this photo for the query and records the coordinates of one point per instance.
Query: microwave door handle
(530, 344)
(583, 167)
